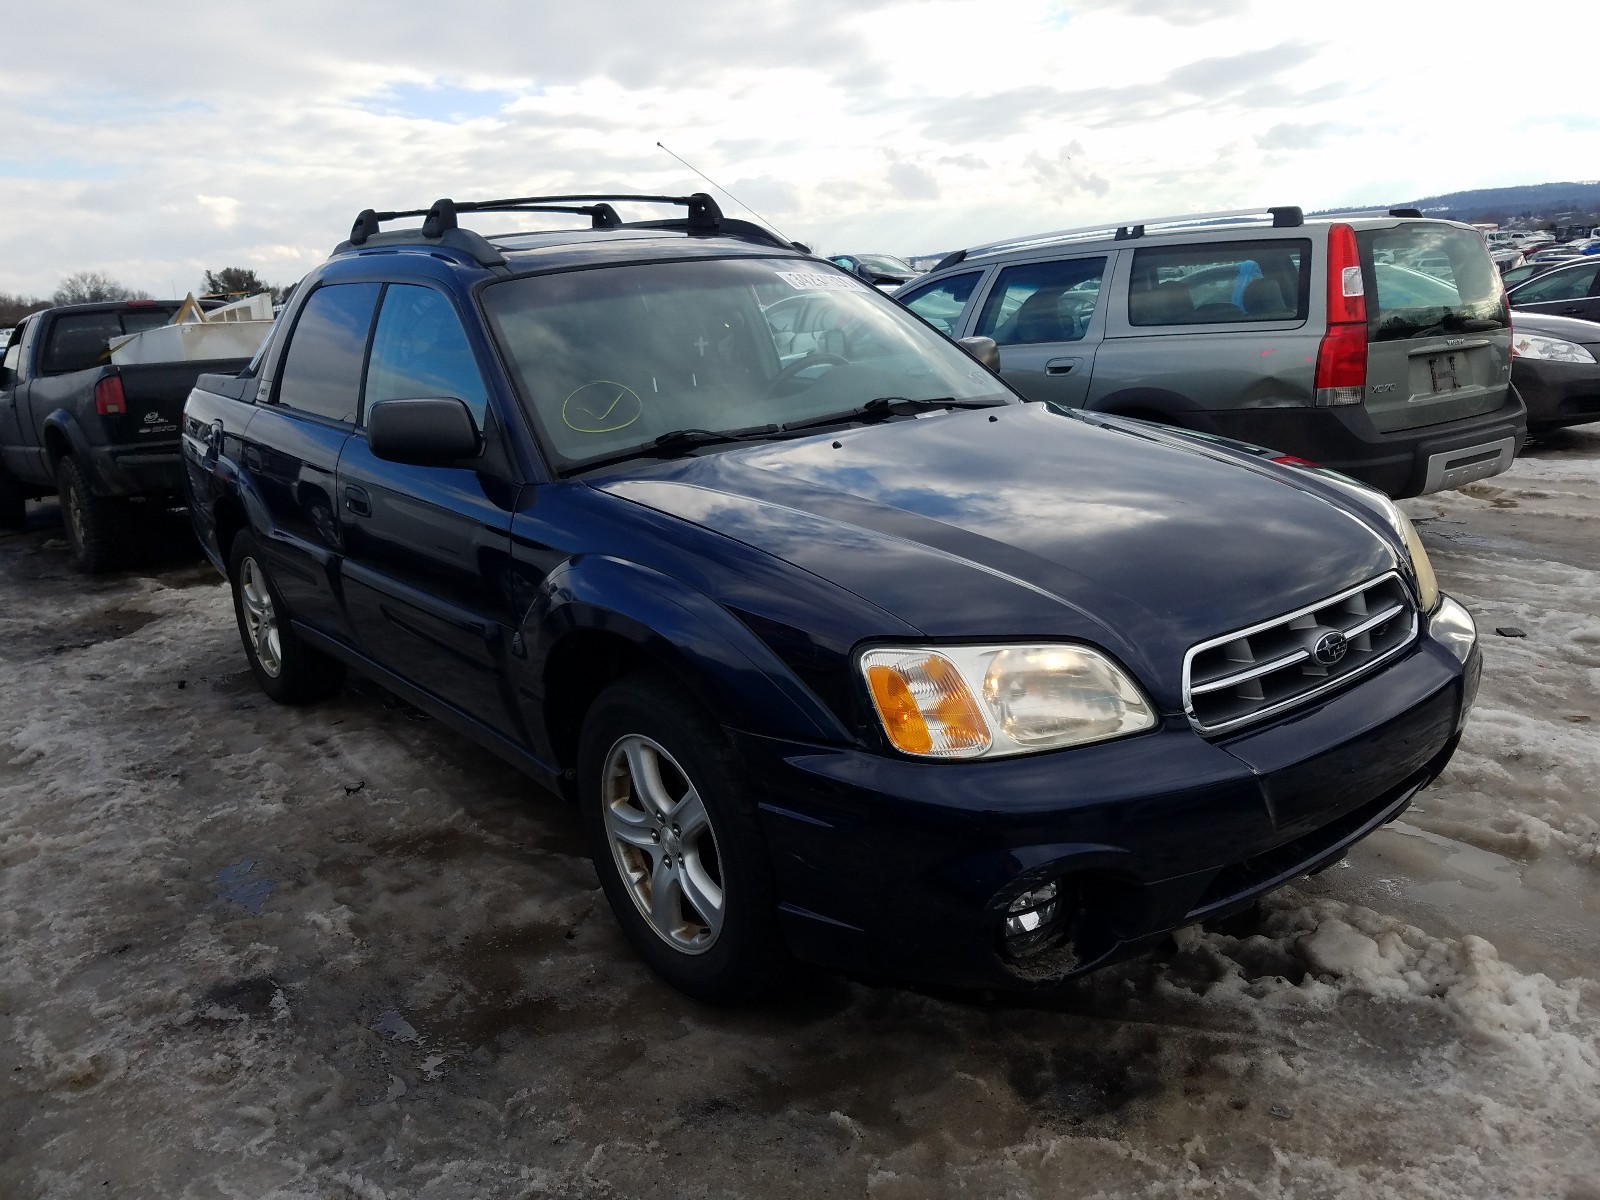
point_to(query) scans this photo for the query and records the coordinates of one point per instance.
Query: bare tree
(14, 308)
(88, 286)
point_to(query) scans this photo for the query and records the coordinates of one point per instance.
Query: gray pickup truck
(104, 436)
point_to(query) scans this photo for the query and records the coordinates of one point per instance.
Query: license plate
(1443, 372)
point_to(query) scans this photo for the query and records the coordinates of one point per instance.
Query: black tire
(288, 670)
(13, 502)
(745, 955)
(97, 526)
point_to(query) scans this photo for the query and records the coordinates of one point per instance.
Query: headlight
(992, 701)
(1531, 345)
(1452, 626)
(1427, 583)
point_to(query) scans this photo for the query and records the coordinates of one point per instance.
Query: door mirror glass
(430, 432)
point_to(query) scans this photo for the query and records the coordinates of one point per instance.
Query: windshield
(886, 264)
(610, 359)
(1425, 279)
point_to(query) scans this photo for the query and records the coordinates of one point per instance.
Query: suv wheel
(287, 669)
(96, 525)
(674, 837)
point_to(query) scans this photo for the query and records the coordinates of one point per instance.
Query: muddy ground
(248, 951)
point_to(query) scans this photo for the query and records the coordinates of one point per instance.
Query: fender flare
(63, 422)
(736, 675)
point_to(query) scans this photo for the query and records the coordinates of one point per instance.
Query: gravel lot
(247, 951)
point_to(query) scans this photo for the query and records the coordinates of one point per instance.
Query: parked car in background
(1571, 290)
(1530, 270)
(1555, 366)
(842, 651)
(1376, 345)
(881, 270)
(103, 436)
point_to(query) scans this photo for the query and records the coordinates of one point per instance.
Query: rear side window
(940, 304)
(321, 370)
(419, 349)
(1221, 283)
(1042, 302)
(1567, 283)
(78, 341)
(1424, 279)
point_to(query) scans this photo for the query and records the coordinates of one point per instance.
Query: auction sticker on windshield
(820, 281)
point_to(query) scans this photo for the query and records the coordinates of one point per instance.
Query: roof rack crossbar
(704, 216)
(1285, 217)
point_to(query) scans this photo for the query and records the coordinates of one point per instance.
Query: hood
(1027, 521)
(1568, 329)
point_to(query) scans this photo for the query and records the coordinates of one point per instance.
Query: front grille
(1256, 672)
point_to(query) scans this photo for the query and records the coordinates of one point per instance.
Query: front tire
(288, 670)
(97, 526)
(673, 832)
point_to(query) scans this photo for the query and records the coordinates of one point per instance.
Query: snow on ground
(247, 951)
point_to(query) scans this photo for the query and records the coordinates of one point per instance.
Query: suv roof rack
(440, 223)
(1283, 217)
(1370, 212)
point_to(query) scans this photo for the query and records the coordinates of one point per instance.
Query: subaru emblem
(1330, 648)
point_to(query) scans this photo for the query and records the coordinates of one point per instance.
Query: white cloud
(250, 136)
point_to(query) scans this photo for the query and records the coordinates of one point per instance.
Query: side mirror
(984, 350)
(434, 432)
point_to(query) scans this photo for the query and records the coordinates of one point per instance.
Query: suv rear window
(1221, 283)
(1426, 279)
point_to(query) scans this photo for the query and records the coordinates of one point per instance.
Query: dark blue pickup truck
(843, 651)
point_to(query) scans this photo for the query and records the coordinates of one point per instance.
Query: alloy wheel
(663, 844)
(260, 618)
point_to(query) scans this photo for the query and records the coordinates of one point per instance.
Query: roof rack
(1370, 212)
(440, 223)
(1284, 217)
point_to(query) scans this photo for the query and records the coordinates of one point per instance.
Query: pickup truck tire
(96, 526)
(673, 831)
(288, 670)
(13, 502)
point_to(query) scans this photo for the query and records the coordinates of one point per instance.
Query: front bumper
(906, 868)
(1558, 393)
(1406, 462)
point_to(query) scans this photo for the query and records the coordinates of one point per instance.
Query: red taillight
(108, 396)
(1294, 460)
(1342, 357)
(142, 303)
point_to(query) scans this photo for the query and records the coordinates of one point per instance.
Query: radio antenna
(725, 191)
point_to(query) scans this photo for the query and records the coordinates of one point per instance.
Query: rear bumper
(1407, 462)
(888, 866)
(145, 469)
(1558, 393)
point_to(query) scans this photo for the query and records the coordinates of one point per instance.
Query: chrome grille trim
(1246, 676)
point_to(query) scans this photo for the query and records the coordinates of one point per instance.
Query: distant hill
(1529, 200)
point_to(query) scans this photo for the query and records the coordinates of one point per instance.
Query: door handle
(357, 501)
(1061, 366)
(251, 457)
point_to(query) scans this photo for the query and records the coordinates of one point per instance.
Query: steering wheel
(815, 358)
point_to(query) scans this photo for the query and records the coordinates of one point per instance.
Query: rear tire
(288, 670)
(673, 831)
(96, 526)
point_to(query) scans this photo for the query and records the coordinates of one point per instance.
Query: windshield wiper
(882, 407)
(676, 443)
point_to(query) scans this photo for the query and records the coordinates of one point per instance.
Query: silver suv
(1378, 344)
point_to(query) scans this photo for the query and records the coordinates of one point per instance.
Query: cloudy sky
(155, 140)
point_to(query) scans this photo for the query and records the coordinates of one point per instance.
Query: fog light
(1030, 919)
